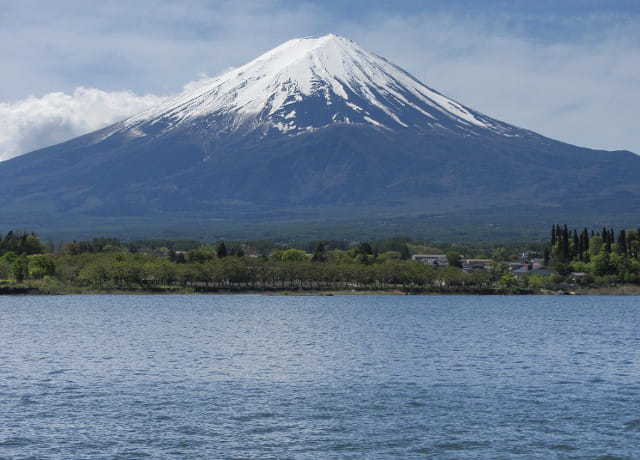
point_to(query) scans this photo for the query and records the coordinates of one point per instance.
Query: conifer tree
(222, 251)
(565, 243)
(577, 249)
(584, 243)
(621, 243)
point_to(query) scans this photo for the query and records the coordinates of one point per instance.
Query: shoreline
(625, 290)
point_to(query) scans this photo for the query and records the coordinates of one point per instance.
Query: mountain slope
(315, 126)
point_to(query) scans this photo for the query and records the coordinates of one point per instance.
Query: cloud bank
(33, 123)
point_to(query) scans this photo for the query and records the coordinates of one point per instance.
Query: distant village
(520, 268)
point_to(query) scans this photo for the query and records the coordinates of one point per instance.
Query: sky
(569, 70)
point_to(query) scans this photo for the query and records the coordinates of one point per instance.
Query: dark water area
(319, 377)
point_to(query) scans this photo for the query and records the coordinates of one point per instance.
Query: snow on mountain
(307, 83)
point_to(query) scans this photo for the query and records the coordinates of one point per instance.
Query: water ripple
(325, 377)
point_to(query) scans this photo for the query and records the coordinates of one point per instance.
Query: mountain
(315, 130)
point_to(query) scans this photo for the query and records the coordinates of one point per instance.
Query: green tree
(94, 274)
(41, 265)
(276, 255)
(621, 243)
(596, 245)
(200, 255)
(5, 269)
(20, 268)
(222, 251)
(294, 255)
(453, 257)
(509, 281)
(319, 254)
(602, 264)
(9, 257)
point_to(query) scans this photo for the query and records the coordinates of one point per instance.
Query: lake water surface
(319, 377)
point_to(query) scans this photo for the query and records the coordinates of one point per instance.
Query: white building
(435, 260)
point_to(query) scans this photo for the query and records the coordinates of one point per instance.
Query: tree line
(107, 264)
(604, 256)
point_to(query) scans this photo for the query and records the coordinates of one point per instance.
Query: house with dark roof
(533, 268)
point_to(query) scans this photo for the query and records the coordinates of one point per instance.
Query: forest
(574, 261)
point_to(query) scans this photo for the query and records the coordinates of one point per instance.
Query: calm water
(319, 377)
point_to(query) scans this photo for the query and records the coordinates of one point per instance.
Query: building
(475, 265)
(435, 260)
(533, 268)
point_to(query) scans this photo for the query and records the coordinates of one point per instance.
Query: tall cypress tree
(565, 243)
(584, 243)
(621, 243)
(606, 238)
(222, 251)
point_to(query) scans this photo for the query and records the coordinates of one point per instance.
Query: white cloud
(34, 122)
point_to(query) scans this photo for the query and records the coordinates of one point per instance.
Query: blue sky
(566, 69)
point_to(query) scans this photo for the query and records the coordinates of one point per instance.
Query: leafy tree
(453, 257)
(596, 245)
(20, 268)
(200, 255)
(9, 257)
(451, 276)
(5, 269)
(509, 281)
(276, 254)
(319, 254)
(364, 249)
(22, 243)
(41, 265)
(94, 274)
(602, 264)
(294, 255)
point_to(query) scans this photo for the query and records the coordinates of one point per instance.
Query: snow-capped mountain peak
(308, 83)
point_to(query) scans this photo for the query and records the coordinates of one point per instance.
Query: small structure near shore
(435, 260)
(531, 268)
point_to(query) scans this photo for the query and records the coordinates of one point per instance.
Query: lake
(319, 377)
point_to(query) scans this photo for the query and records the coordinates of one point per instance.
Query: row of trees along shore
(604, 256)
(107, 264)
